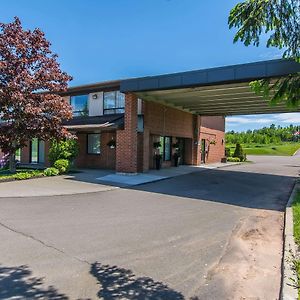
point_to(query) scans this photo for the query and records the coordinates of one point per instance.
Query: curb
(298, 150)
(288, 291)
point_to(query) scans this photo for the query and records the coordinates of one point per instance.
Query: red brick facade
(160, 120)
(212, 129)
(134, 150)
(105, 160)
(127, 139)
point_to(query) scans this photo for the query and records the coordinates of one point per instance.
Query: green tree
(30, 85)
(280, 21)
(64, 149)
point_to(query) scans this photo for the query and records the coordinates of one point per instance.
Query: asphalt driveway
(212, 234)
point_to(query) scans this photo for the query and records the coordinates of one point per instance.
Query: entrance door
(181, 151)
(203, 150)
(34, 151)
(41, 152)
(37, 151)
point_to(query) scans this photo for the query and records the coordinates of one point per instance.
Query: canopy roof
(215, 91)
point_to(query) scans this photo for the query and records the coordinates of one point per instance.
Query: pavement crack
(43, 243)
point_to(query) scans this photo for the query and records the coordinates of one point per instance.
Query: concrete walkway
(51, 186)
(91, 181)
(123, 180)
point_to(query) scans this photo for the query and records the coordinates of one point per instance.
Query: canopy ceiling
(216, 91)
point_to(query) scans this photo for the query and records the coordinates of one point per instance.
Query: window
(165, 149)
(34, 151)
(37, 152)
(93, 143)
(113, 103)
(18, 154)
(79, 105)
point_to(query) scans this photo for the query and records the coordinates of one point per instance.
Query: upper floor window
(113, 102)
(79, 105)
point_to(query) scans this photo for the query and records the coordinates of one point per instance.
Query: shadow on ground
(17, 283)
(120, 283)
(244, 189)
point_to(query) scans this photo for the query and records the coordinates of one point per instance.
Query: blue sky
(100, 40)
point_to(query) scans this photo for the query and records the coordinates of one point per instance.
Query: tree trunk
(12, 163)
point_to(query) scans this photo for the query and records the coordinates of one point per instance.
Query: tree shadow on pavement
(17, 283)
(120, 283)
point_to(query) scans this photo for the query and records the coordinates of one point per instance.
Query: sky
(99, 40)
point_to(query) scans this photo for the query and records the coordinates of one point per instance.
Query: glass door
(34, 150)
(41, 155)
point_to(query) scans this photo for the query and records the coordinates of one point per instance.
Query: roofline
(212, 76)
(93, 87)
(203, 77)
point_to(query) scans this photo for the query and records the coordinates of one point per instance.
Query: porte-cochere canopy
(214, 91)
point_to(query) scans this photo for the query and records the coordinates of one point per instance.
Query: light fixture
(95, 96)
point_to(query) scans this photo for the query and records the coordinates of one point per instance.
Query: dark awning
(97, 122)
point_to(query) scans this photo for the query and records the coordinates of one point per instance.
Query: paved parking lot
(213, 234)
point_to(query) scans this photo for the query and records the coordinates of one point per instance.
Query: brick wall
(25, 154)
(127, 151)
(163, 120)
(213, 129)
(160, 120)
(105, 160)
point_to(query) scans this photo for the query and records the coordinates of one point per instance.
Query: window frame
(87, 143)
(75, 112)
(162, 150)
(114, 109)
(37, 153)
(170, 150)
(18, 154)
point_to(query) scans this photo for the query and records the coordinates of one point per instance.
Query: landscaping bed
(21, 174)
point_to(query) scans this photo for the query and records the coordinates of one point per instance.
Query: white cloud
(289, 118)
(247, 120)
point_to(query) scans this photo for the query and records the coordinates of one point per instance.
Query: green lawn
(296, 214)
(286, 149)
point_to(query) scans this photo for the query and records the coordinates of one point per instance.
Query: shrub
(26, 175)
(66, 149)
(51, 172)
(233, 159)
(239, 152)
(62, 165)
(156, 145)
(227, 152)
